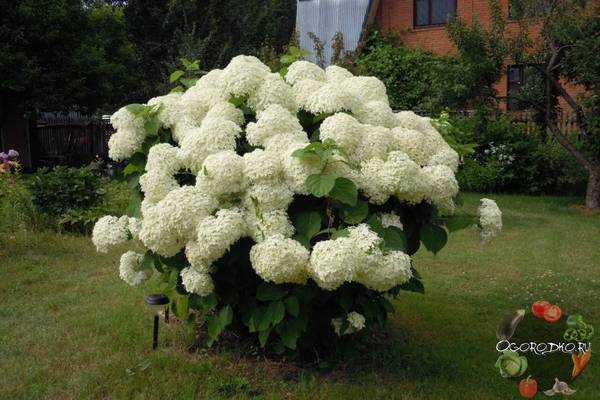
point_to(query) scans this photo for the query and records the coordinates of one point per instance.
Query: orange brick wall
(397, 16)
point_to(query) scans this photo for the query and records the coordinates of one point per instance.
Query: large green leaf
(275, 312)
(151, 125)
(175, 75)
(338, 233)
(308, 224)
(355, 214)
(320, 185)
(218, 322)
(135, 203)
(148, 261)
(263, 336)
(394, 239)
(413, 285)
(135, 108)
(345, 191)
(307, 155)
(132, 168)
(292, 306)
(226, 316)
(434, 237)
(458, 222)
(289, 336)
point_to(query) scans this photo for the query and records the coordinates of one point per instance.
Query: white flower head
(163, 158)
(169, 111)
(366, 88)
(385, 271)
(304, 89)
(213, 136)
(334, 262)
(343, 129)
(156, 184)
(197, 282)
(272, 121)
(302, 70)
(172, 222)
(356, 320)
(221, 173)
(280, 260)
(262, 166)
(441, 183)
(225, 110)
(267, 224)
(110, 231)
(216, 234)
(124, 143)
(391, 219)
(490, 218)
(243, 76)
(273, 90)
(330, 98)
(333, 73)
(123, 119)
(130, 268)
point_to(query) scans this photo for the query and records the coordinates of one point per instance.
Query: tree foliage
(564, 54)
(58, 55)
(212, 31)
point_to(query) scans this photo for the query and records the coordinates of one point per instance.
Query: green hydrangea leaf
(434, 237)
(319, 185)
(345, 191)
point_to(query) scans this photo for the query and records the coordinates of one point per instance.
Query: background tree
(566, 55)
(61, 55)
(211, 31)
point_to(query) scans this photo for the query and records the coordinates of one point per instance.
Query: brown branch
(567, 144)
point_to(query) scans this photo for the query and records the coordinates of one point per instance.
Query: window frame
(511, 103)
(429, 24)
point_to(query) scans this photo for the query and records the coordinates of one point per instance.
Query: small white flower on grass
(490, 218)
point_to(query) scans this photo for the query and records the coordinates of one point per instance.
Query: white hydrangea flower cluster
(356, 322)
(388, 155)
(130, 268)
(490, 218)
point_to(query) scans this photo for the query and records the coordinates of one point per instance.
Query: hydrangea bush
(284, 205)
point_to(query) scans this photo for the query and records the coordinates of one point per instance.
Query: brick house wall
(398, 16)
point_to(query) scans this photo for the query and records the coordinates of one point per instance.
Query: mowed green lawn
(71, 329)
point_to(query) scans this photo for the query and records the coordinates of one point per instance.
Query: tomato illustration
(528, 388)
(552, 314)
(539, 308)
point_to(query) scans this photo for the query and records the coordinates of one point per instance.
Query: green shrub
(16, 207)
(511, 158)
(61, 189)
(73, 199)
(114, 202)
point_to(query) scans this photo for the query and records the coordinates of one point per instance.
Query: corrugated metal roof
(326, 17)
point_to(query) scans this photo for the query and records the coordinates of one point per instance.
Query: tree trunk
(592, 196)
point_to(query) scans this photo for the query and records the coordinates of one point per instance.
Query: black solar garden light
(157, 303)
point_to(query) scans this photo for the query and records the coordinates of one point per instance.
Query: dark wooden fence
(69, 140)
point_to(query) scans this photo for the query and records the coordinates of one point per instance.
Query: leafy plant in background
(16, 208)
(186, 77)
(289, 218)
(510, 157)
(73, 199)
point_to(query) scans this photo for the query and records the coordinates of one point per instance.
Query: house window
(433, 12)
(516, 80)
